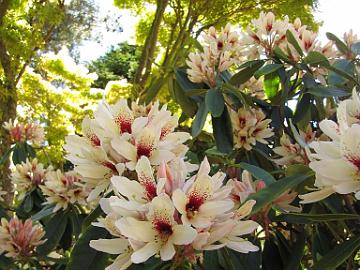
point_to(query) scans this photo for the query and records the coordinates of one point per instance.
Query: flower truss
(292, 153)
(19, 239)
(222, 50)
(171, 217)
(21, 132)
(116, 139)
(337, 162)
(63, 189)
(249, 126)
(27, 175)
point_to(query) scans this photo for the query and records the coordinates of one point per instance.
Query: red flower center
(163, 227)
(195, 201)
(144, 150)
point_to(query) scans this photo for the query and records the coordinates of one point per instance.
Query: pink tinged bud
(260, 185)
(164, 172)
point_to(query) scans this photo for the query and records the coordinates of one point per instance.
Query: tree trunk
(8, 103)
(147, 54)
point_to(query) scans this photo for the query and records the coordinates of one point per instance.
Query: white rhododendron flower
(21, 132)
(292, 153)
(63, 189)
(153, 212)
(250, 126)
(337, 162)
(27, 176)
(19, 239)
(220, 52)
(116, 139)
(241, 190)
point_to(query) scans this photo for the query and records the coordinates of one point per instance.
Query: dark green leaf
(30, 150)
(258, 173)
(356, 48)
(340, 68)
(339, 44)
(292, 40)
(45, 212)
(211, 260)
(54, 230)
(19, 153)
(28, 203)
(338, 255)
(83, 256)
(327, 91)
(91, 217)
(273, 191)
(280, 54)
(184, 82)
(297, 252)
(222, 130)
(246, 73)
(200, 119)
(187, 104)
(316, 58)
(302, 107)
(268, 69)
(215, 102)
(300, 218)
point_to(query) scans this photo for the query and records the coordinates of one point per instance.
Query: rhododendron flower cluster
(250, 126)
(28, 175)
(222, 50)
(337, 162)
(293, 153)
(163, 215)
(62, 189)
(21, 132)
(19, 239)
(116, 139)
(241, 190)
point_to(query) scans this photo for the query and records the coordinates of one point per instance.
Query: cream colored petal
(136, 229)
(111, 246)
(144, 253)
(214, 208)
(242, 245)
(167, 251)
(244, 227)
(180, 200)
(316, 196)
(347, 187)
(124, 148)
(183, 235)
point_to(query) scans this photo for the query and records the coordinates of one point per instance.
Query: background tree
(171, 30)
(118, 63)
(28, 28)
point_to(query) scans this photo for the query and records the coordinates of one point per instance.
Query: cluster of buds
(27, 175)
(220, 52)
(292, 153)
(118, 137)
(21, 132)
(19, 239)
(337, 162)
(162, 214)
(249, 126)
(63, 189)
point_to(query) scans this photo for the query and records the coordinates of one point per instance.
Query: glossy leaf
(339, 44)
(200, 119)
(338, 255)
(222, 130)
(355, 48)
(246, 73)
(54, 230)
(303, 218)
(327, 91)
(215, 102)
(315, 58)
(269, 194)
(43, 213)
(258, 173)
(268, 69)
(271, 85)
(83, 256)
(292, 40)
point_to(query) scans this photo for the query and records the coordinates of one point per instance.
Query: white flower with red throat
(27, 176)
(250, 126)
(118, 137)
(160, 232)
(228, 233)
(63, 189)
(202, 199)
(19, 239)
(337, 162)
